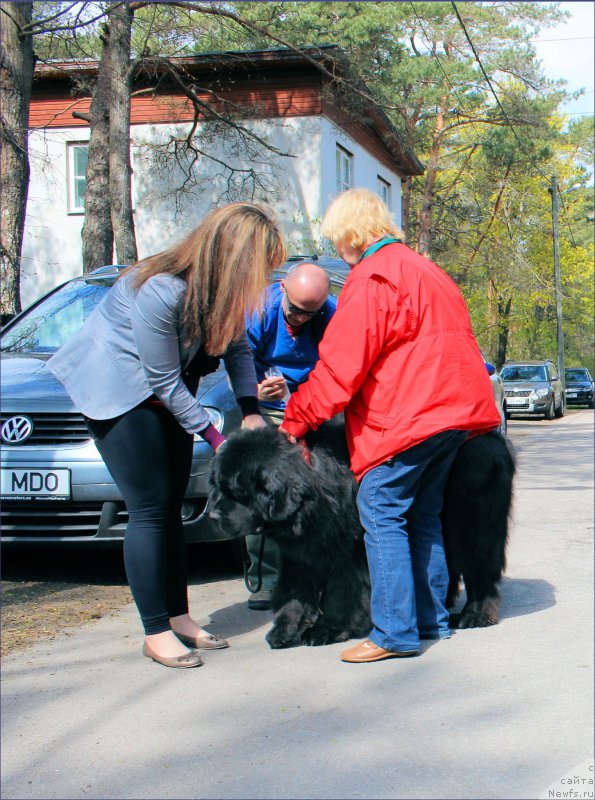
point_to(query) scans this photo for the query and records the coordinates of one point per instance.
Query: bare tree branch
(208, 110)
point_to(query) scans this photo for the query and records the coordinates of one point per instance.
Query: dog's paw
(292, 619)
(315, 637)
(321, 634)
(279, 637)
(480, 614)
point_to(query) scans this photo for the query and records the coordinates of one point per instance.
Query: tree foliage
(462, 83)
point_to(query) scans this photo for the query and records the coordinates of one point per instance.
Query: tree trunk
(405, 206)
(504, 308)
(17, 62)
(97, 233)
(493, 307)
(120, 21)
(424, 234)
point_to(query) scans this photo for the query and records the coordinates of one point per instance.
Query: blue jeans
(399, 505)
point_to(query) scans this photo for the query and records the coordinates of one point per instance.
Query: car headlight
(217, 420)
(540, 392)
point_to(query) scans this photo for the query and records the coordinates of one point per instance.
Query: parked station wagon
(55, 486)
(533, 387)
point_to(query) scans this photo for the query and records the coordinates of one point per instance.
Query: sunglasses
(302, 311)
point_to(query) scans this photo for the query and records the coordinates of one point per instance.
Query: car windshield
(51, 323)
(577, 375)
(523, 373)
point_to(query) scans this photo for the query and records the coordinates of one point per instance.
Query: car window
(51, 323)
(552, 372)
(577, 375)
(336, 288)
(523, 373)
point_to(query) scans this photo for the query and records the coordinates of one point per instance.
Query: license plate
(34, 484)
(517, 401)
(571, 394)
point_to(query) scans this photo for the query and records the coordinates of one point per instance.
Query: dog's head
(258, 481)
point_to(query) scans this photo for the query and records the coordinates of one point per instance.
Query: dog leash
(247, 566)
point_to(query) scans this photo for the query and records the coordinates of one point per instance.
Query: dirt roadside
(46, 591)
(34, 610)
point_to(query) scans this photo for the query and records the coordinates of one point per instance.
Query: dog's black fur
(261, 483)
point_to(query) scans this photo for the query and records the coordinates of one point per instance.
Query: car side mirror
(490, 368)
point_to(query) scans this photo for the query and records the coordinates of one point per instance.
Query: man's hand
(273, 388)
(253, 421)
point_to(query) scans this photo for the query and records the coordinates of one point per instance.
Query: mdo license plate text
(33, 484)
(517, 401)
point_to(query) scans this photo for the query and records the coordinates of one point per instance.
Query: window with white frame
(344, 169)
(78, 153)
(384, 191)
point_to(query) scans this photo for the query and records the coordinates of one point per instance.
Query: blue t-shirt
(273, 345)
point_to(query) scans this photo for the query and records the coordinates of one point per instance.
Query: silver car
(533, 387)
(499, 395)
(55, 486)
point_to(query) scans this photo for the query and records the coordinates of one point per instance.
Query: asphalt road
(504, 712)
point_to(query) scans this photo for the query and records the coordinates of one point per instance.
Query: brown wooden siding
(53, 109)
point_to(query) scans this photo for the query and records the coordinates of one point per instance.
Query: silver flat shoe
(191, 659)
(210, 641)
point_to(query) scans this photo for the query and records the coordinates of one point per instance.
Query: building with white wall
(321, 146)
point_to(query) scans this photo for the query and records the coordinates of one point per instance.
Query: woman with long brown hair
(133, 370)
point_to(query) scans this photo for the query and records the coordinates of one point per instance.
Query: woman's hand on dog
(253, 421)
(287, 435)
(300, 442)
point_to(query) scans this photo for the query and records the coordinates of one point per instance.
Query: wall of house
(165, 209)
(366, 168)
(299, 186)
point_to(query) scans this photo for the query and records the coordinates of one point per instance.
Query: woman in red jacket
(400, 359)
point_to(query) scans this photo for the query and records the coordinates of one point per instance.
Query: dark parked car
(579, 387)
(55, 486)
(533, 387)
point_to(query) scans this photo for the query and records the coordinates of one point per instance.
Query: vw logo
(16, 429)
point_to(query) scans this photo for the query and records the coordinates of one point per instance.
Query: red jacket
(399, 357)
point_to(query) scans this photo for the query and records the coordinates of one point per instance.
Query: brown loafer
(210, 641)
(367, 651)
(191, 659)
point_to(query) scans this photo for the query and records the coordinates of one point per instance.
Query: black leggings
(149, 457)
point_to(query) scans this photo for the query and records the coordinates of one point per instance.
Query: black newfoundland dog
(261, 483)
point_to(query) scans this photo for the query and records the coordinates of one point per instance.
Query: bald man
(286, 337)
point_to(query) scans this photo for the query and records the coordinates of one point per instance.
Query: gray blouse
(132, 346)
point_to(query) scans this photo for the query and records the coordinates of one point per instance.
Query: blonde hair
(226, 262)
(357, 217)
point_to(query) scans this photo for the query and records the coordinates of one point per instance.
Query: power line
(569, 39)
(462, 104)
(435, 54)
(497, 99)
(505, 115)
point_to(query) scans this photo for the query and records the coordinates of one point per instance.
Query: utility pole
(553, 190)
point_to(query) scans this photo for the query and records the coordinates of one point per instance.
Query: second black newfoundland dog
(261, 483)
